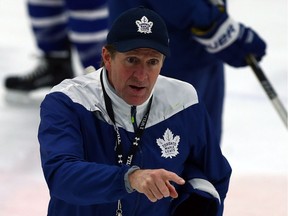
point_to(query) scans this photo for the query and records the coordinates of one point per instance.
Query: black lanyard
(138, 132)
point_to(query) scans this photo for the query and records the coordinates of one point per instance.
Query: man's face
(133, 73)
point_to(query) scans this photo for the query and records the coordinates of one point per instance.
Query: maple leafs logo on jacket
(168, 145)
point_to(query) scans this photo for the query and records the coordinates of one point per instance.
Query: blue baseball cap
(139, 28)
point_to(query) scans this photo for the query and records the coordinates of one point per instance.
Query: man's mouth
(138, 88)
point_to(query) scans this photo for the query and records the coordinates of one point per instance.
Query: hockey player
(59, 26)
(203, 36)
(124, 140)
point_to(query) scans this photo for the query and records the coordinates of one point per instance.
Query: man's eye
(132, 60)
(153, 61)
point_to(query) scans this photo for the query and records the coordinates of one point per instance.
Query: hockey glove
(231, 41)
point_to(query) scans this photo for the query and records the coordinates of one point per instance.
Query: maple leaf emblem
(144, 25)
(168, 145)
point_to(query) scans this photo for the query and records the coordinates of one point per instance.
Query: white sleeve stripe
(90, 14)
(46, 2)
(88, 37)
(49, 21)
(206, 186)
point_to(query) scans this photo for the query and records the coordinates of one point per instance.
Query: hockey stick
(268, 88)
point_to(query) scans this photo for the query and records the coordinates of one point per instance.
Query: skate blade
(21, 98)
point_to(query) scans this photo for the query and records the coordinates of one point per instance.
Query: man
(125, 140)
(203, 36)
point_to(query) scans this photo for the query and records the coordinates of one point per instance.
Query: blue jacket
(77, 141)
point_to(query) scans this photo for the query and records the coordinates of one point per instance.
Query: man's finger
(172, 191)
(175, 178)
(162, 187)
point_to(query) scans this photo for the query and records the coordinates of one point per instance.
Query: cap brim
(125, 46)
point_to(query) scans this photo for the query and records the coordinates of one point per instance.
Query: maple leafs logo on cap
(144, 26)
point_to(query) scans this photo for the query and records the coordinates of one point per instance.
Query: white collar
(121, 108)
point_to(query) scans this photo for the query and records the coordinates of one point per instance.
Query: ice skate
(49, 72)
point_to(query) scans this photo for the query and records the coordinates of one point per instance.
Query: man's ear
(106, 58)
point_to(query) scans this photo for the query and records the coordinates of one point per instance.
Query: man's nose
(141, 72)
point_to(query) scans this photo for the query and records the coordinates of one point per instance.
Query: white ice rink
(255, 140)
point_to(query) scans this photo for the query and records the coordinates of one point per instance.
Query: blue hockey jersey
(77, 144)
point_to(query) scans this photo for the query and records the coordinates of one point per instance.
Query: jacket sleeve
(69, 177)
